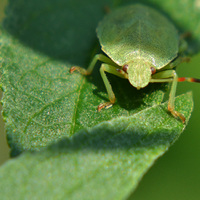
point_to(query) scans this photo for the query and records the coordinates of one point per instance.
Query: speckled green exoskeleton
(143, 46)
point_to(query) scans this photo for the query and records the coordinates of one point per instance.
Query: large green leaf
(43, 103)
(104, 162)
(42, 100)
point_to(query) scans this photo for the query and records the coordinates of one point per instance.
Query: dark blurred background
(176, 175)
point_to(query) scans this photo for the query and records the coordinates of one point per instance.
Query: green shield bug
(142, 46)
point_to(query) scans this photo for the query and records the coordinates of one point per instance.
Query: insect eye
(124, 68)
(153, 70)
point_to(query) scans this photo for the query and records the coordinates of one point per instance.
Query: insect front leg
(89, 70)
(169, 76)
(112, 70)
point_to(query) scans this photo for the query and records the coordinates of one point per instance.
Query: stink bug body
(142, 46)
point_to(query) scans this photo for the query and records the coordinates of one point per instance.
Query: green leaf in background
(105, 162)
(43, 103)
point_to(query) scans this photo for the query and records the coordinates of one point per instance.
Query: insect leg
(89, 70)
(189, 79)
(176, 62)
(113, 70)
(182, 46)
(169, 76)
(181, 57)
